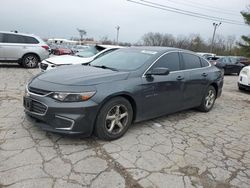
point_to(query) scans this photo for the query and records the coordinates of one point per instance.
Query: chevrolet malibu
(128, 85)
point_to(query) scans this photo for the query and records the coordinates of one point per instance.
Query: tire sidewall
(100, 129)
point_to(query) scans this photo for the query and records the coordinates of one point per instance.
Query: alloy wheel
(30, 61)
(116, 119)
(210, 98)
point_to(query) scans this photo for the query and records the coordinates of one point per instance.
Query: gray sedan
(128, 85)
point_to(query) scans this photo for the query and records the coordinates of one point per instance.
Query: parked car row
(63, 49)
(229, 64)
(82, 57)
(124, 86)
(232, 64)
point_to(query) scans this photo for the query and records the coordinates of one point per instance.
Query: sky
(61, 18)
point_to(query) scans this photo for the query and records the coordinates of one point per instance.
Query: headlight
(72, 97)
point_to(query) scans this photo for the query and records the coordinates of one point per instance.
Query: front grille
(38, 91)
(38, 107)
(43, 66)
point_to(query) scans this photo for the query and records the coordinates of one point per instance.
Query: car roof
(12, 32)
(160, 49)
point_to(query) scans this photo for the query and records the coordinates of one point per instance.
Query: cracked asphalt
(186, 149)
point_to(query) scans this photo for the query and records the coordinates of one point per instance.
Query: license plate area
(241, 78)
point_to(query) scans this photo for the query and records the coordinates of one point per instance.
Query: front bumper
(61, 117)
(246, 87)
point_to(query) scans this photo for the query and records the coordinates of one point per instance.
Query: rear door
(196, 82)
(13, 47)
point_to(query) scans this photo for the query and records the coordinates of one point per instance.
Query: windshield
(123, 60)
(88, 52)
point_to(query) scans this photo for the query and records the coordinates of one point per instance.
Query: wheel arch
(215, 87)
(124, 95)
(33, 53)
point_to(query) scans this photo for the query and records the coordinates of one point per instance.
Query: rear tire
(114, 119)
(208, 100)
(30, 61)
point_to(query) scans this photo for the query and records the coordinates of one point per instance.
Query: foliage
(245, 45)
(222, 45)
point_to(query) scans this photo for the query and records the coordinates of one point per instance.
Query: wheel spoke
(110, 117)
(125, 114)
(212, 96)
(120, 125)
(207, 103)
(111, 126)
(117, 110)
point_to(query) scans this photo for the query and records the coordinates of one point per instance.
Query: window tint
(191, 61)
(170, 61)
(1, 37)
(204, 63)
(12, 38)
(30, 40)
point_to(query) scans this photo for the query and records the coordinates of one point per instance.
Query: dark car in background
(229, 64)
(125, 86)
(243, 60)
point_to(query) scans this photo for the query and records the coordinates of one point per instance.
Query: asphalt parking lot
(187, 149)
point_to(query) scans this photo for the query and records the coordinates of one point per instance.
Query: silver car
(25, 49)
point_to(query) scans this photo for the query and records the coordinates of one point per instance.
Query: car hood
(81, 75)
(68, 59)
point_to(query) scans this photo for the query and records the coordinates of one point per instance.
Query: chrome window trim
(67, 119)
(209, 65)
(35, 113)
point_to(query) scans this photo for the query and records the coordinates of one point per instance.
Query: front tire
(30, 61)
(208, 100)
(114, 119)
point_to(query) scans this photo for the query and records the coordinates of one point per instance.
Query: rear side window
(30, 40)
(191, 61)
(12, 38)
(170, 61)
(204, 63)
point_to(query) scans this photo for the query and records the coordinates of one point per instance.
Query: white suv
(27, 50)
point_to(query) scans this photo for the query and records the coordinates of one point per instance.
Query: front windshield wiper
(104, 67)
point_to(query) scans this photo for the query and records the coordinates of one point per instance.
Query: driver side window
(170, 61)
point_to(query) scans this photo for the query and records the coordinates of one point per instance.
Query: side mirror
(158, 71)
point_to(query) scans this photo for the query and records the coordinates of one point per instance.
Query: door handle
(204, 74)
(179, 78)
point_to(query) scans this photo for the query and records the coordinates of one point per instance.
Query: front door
(162, 94)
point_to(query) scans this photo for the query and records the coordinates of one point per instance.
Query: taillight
(45, 47)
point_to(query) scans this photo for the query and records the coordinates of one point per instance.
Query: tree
(245, 46)
(82, 32)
